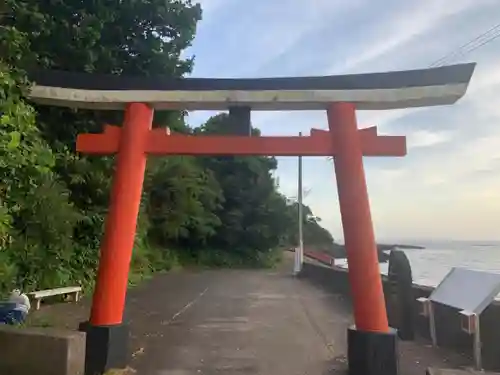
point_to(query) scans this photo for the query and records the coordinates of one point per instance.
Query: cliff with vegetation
(223, 211)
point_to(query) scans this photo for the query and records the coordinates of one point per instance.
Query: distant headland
(400, 246)
(338, 251)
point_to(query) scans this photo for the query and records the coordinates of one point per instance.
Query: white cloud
(420, 18)
(449, 184)
(426, 138)
(258, 32)
(444, 188)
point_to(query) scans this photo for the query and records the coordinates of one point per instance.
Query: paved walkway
(238, 322)
(241, 322)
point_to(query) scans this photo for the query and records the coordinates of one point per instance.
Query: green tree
(127, 37)
(315, 236)
(253, 213)
(217, 211)
(183, 199)
(36, 218)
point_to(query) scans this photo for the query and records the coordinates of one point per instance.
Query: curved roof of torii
(373, 91)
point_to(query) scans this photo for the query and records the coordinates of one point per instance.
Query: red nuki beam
(319, 143)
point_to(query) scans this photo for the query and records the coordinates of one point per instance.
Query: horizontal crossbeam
(319, 143)
(372, 91)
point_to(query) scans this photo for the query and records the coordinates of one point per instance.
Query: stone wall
(449, 334)
(41, 351)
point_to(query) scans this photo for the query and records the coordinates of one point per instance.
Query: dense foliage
(210, 211)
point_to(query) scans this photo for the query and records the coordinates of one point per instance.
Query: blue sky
(448, 186)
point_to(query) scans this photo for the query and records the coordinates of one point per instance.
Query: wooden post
(478, 363)
(432, 323)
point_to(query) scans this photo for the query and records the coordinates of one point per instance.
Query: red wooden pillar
(107, 336)
(364, 273)
(119, 235)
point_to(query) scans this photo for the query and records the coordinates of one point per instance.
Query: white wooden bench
(40, 294)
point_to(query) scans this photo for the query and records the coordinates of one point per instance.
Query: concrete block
(41, 351)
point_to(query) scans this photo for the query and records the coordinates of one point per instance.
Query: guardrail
(320, 257)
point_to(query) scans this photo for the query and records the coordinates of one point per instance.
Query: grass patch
(214, 258)
(37, 322)
(126, 371)
(148, 260)
(34, 322)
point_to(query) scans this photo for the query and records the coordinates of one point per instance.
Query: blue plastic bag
(10, 316)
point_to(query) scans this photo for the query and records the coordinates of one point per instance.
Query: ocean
(430, 265)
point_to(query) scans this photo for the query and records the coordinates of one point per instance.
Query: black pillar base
(372, 353)
(106, 347)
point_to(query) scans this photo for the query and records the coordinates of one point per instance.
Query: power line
(482, 39)
(492, 29)
(464, 51)
(485, 42)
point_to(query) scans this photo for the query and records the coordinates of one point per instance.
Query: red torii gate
(137, 139)
(371, 343)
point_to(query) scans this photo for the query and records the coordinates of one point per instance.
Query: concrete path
(240, 322)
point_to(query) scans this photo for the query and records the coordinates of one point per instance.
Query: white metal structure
(299, 251)
(468, 291)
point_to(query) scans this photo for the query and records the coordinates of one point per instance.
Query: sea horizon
(432, 241)
(431, 264)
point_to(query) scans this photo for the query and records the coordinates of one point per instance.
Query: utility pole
(299, 251)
